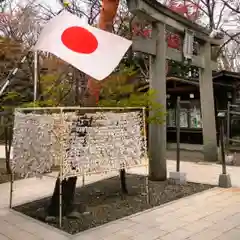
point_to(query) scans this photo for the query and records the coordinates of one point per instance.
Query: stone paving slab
(16, 226)
(199, 216)
(167, 222)
(212, 214)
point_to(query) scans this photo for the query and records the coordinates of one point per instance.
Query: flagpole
(36, 65)
(35, 76)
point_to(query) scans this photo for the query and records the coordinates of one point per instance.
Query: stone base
(178, 177)
(224, 181)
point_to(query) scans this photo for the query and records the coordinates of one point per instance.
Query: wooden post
(221, 127)
(207, 107)
(178, 130)
(157, 132)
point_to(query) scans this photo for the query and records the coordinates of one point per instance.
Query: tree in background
(19, 28)
(219, 15)
(211, 14)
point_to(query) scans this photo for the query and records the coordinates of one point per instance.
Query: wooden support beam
(149, 46)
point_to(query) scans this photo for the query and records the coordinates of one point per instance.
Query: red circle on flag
(79, 39)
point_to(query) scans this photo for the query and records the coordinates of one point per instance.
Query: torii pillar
(161, 18)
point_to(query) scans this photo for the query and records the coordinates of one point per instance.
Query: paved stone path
(213, 214)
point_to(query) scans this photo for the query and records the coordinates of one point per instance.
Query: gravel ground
(102, 202)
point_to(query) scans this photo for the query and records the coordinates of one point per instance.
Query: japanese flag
(91, 50)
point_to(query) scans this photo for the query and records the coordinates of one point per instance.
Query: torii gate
(162, 18)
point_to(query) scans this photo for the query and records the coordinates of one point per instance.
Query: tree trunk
(123, 181)
(68, 193)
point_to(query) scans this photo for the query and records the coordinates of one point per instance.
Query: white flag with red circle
(91, 50)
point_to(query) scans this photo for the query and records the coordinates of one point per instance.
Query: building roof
(217, 80)
(224, 73)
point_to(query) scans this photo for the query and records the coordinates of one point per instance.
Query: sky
(229, 23)
(52, 3)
